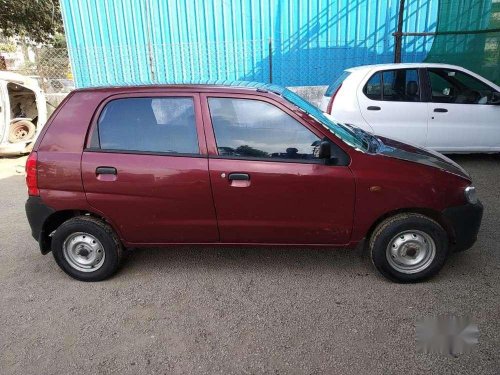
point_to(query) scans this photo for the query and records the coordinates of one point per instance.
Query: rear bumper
(465, 222)
(37, 213)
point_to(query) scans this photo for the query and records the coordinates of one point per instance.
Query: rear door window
(335, 85)
(399, 85)
(246, 128)
(156, 124)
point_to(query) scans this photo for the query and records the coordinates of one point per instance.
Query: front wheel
(409, 247)
(87, 248)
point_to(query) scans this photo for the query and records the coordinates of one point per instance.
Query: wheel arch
(54, 220)
(433, 214)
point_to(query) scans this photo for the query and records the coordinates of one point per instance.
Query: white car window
(399, 85)
(452, 86)
(333, 88)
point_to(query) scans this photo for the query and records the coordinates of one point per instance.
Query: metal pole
(458, 32)
(270, 50)
(149, 46)
(398, 35)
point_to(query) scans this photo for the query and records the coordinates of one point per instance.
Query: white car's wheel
(21, 131)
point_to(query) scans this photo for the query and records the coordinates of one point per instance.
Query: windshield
(345, 133)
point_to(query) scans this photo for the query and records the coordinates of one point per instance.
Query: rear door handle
(442, 110)
(238, 177)
(374, 108)
(105, 170)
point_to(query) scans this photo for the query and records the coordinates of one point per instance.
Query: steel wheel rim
(83, 252)
(411, 251)
(21, 133)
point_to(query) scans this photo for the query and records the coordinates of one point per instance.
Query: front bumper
(465, 222)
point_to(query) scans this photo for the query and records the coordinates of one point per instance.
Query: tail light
(330, 103)
(32, 174)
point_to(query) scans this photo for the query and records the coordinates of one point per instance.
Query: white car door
(462, 116)
(391, 102)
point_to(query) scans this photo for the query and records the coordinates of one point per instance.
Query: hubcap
(411, 251)
(83, 252)
(21, 133)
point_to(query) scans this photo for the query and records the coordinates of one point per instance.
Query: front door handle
(105, 170)
(441, 110)
(238, 177)
(374, 108)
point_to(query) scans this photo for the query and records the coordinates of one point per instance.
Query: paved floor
(240, 311)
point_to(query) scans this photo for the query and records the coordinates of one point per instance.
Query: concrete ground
(285, 311)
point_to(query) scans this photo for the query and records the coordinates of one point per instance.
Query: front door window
(246, 128)
(452, 86)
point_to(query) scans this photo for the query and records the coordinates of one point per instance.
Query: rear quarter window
(335, 85)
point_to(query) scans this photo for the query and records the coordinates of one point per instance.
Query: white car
(442, 107)
(23, 113)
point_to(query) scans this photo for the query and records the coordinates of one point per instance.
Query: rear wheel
(87, 248)
(409, 247)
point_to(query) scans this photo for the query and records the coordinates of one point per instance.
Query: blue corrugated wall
(292, 43)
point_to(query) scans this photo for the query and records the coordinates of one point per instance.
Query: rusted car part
(23, 113)
(21, 130)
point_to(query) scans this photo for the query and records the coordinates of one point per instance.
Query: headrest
(412, 88)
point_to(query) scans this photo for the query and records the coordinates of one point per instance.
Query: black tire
(388, 230)
(113, 250)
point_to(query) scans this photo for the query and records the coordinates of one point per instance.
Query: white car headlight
(470, 194)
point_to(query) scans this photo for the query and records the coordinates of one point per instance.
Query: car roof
(26, 81)
(402, 66)
(205, 86)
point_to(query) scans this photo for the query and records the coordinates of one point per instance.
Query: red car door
(145, 169)
(268, 184)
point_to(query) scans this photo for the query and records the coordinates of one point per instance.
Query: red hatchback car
(246, 164)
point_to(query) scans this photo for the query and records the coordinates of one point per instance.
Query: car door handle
(238, 177)
(442, 110)
(106, 170)
(374, 108)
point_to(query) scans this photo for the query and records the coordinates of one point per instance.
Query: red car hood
(404, 151)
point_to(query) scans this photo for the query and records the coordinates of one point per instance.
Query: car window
(158, 124)
(335, 85)
(399, 85)
(373, 88)
(452, 86)
(256, 129)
